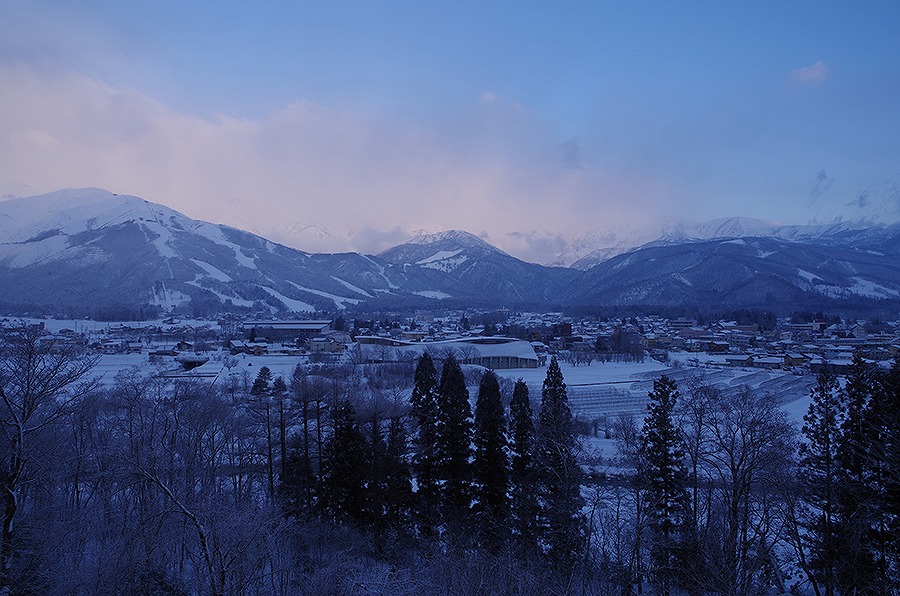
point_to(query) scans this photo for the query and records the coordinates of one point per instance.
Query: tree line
(361, 479)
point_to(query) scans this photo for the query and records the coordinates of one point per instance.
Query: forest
(393, 479)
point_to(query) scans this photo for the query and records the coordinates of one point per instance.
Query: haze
(333, 126)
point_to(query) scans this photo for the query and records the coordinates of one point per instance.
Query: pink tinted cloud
(307, 175)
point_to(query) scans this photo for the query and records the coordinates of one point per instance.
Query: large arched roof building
(489, 352)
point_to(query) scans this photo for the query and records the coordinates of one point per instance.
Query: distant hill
(88, 252)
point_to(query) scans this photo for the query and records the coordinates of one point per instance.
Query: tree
(820, 471)
(663, 466)
(491, 463)
(346, 472)
(454, 448)
(262, 391)
(424, 402)
(746, 454)
(883, 422)
(562, 523)
(522, 478)
(857, 569)
(38, 387)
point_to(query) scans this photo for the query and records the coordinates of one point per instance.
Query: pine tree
(397, 483)
(262, 382)
(454, 448)
(665, 482)
(883, 421)
(562, 522)
(820, 471)
(858, 567)
(491, 463)
(345, 475)
(424, 402)
(522, 479)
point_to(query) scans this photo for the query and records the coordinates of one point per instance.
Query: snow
(73, 211)
(213, 272)
(864, 287)
(808, 276)
(243, 259)
(339, 301)
(380, 269)
(31, 253)
(433, 294)
(447, 264)
(168, 298)
(223, 297)
(290, 303)
(439, 256)
(351, 287)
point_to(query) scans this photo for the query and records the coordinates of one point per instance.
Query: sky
(339, 125)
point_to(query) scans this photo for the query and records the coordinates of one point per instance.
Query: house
(793, 359)
(739, 360)
(768, 362)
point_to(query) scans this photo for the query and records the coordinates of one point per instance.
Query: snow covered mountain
(595, 247)
(474, 263)
(848, 270)
(88, 252)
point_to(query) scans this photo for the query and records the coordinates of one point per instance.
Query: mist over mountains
(88, 252)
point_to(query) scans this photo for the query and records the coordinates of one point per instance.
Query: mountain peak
(74, 210)
(459, 238)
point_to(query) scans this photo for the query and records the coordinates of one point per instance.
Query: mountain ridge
(82, 249)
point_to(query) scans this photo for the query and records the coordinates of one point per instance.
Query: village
(609, 364)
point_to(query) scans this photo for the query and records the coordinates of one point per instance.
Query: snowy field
(612, 389)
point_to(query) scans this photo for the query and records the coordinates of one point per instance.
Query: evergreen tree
(454, 448)
(522, 479)
(424, 402)
(562, 523)
(345, 474)
(883, 421)
(665, 481)
(820, 471)
(262, 382)
(491, 463)
(397, 483)
(858, 567)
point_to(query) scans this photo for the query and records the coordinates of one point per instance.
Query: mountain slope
(89, 249)
(474, 263)
(757, 272)
(88, 252)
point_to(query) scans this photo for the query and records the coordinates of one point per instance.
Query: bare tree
(37, 388)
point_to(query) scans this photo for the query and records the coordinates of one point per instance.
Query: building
(489, 352)
(281, 331)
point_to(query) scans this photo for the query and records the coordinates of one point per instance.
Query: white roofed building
(489, 352)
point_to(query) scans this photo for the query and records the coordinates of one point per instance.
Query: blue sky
(348, 125)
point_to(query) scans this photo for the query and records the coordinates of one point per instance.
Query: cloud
(307, 175)
(814, 74)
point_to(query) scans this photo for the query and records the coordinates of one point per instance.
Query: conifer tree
(398, 487)
(562, 522)
(821, 474)
(261, 383)
(345, 472)
(522, 480)
(424, 402)
(665, 482)
(883, 420)
(491, 463)
(454, 447)
(858, 567)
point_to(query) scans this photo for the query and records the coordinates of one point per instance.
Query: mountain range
(88, 252)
